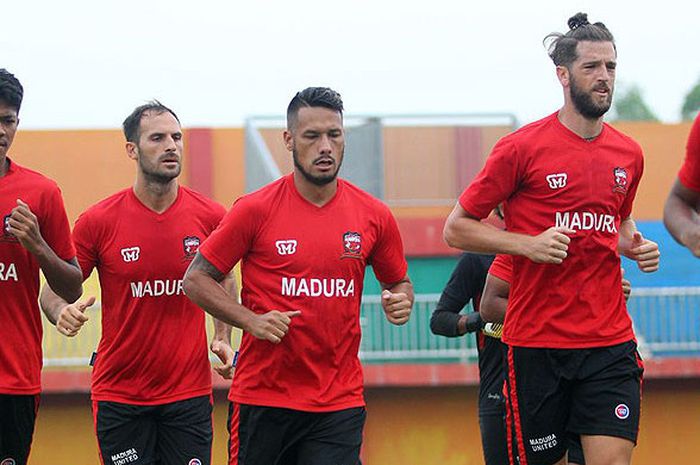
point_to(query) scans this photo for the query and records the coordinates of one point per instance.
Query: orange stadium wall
(405, 426)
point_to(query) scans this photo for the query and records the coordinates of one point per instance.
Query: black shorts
(178, 433)
(280, 436)
(553, 393)
(17, 418)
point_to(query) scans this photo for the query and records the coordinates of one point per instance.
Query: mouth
(324, 163)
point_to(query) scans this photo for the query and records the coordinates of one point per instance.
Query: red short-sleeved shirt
(297, 256)
(502, 267)
(20, 319)
(153, 348)
(549, 176)
(689, 174)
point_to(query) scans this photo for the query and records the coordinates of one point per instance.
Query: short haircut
(132, 123)
(313, 97)
(562, 47)
(11, 90)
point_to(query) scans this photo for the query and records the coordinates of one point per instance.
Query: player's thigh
(17, 419)
(185, 431)
(538, 401)
(336, 438)
(126, 434)
(607, 399)
(606, 450)
(493, 438)
(575, 455)
(264, 435)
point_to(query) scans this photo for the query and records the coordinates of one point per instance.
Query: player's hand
(272, 326)
(72, 317)
(626, 286)
(24, 225)
(226, 354)
(397, 306)
(550, 246)
(691, 239)
(645, 253)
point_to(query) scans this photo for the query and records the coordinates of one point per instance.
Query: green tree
(630, 106)
(691, 105)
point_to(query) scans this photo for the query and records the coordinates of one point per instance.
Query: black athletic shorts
(17, 418)
(178, 433)
(553, 393)
(280, 436)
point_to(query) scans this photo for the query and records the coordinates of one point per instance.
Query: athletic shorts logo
(8, 462)
(556, 181)
(131, 254)
(194, 462)
(190, 245)
(620, 180)
(286, 247)
(622, 411)
(352, 245)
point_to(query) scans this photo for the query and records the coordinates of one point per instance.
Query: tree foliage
(630, 106)
(691, 105)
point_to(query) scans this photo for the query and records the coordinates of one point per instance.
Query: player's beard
(153, 175)
(318, 180)
(584, 103)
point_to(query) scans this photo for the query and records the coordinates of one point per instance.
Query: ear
(288, 140)
(563, 75)
(132, 151)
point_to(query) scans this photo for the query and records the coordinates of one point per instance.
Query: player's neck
(156, 196)
(317, 195)
(586, 128)
(4, 165)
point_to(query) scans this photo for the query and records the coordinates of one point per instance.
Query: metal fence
(666, 319)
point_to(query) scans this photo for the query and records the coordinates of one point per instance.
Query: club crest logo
(9, 461)
(194, 462)
(190, 245)
(622, 411)
(131, 254)
(352, 245)
(620, 180)
(6, 235)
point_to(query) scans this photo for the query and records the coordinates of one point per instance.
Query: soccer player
(35, 235)
(568, 182)
(304, 242)
(683, 203)
(151, 384)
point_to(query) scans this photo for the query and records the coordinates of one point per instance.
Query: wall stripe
(199, 160)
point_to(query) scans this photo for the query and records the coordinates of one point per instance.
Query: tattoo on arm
(202, 264)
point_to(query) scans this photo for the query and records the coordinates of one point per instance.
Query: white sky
(87, 63)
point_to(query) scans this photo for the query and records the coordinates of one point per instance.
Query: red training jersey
(689, 174)
(297, 256)
(20, 319)
(549, 176)
(502, 267)
(153, 348)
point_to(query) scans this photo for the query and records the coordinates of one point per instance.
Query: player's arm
(221, 340)
(67, 317)
(494, 300)
(202, 285)
(636, 247)
(681, 216)
(465, 232)
(446, 319)
(63, 276)
(397, 300)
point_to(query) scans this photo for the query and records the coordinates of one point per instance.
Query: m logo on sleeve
(131, 254)
(556, 181)
(286, 247)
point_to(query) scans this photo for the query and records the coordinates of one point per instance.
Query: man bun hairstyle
(562, 47)
(314, 97)
(11, 90)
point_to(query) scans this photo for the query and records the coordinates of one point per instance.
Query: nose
(325, 147)
(172, 144)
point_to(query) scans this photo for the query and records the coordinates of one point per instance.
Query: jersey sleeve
(387, 259)
(85, 244)
(689, 174)
(502, 268)
(234, 236)
(626, 208)
(54, 225)
(495, 182)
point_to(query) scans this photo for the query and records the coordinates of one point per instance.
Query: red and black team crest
(190, 244)
(6, 235)
(620, 178)
(352, 245)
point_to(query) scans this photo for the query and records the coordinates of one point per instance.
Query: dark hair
(132, 123)
(11, 91)
(314, 97)
(562, 47)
